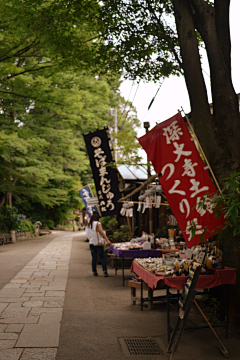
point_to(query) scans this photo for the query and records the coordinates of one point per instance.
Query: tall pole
(115, 130)
(147, 126)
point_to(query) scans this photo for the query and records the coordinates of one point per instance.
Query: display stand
(185, 303)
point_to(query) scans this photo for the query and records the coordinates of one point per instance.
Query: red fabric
(218, 277)
(184, 179)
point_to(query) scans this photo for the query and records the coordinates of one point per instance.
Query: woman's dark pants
(100, 251)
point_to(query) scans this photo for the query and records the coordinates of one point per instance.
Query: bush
(50, 224)
(10, 219)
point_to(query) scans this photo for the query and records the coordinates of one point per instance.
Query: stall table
(131, 254)
(218, 277)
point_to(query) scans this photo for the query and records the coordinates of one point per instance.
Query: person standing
(95, 234)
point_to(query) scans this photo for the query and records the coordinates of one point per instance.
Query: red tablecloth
(218, 277)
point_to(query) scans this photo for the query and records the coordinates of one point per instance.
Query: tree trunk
(2, 201)
(219, 133)
(8, 198)
(210, 22)
(200, 111)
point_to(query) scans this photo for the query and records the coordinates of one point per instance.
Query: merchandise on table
(174, 265)
(134, 244)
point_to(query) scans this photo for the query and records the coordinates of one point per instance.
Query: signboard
(105, 176)
(85, 194)
(185, 179)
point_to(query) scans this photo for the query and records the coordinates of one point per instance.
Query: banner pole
(99, 212)
(209, 166)
(128, 221)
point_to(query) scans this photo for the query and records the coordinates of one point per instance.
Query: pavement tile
(15, 305)
(53, 303)
(41, 273)
(46, 298)
(53, 287)
(21, 278)
(41, 310)
(14, 312)
(10, 354)
(39, 335)
(55, 293)
(39, 354)
(9, 336)
(15, 293)
(7, 344)
(14, 328)
(14, 300)
(3, 307)
(34, 264)
(34, 293)
(62, 268)
(2, 328)
(20, 320)
(32, 303)
(50, 318)
(12, 286)
(31, 286)
(48, 278)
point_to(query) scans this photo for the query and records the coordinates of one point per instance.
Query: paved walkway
(52, 308)
(31, 304)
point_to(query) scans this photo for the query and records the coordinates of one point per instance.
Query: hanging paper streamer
(139, 206)
(158, 201)
(130, 212)
(147, 202)
(144, 207)
(122, 212)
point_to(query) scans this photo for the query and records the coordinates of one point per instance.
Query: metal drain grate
(143, 347)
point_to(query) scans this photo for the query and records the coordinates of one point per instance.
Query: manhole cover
(143, 347)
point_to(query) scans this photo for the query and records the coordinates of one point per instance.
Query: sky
(173, 93)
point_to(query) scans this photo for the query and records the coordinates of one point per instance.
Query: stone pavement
(52, 308)
(31, 304)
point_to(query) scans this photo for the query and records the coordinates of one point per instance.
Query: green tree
(152, 39)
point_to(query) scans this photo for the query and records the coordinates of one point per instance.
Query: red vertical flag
(185, 179)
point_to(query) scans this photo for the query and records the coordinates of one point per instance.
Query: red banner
(185, 179)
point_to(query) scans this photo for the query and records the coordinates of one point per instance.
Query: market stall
(130, 250)
(217, 277)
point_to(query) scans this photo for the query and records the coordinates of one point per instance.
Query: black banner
(105, 177)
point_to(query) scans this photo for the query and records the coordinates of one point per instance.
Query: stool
(137, 285)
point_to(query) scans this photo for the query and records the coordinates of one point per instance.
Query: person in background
(94, 231)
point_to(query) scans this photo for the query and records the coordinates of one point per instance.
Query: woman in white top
(94, 231)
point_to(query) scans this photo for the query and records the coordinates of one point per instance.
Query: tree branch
(162, 28)
(29, 70)
(2, 201)
(20, 51)
(30, 97)
(223, 29)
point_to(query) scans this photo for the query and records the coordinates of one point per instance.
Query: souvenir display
(174, 265)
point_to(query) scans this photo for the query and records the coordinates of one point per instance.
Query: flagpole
(99, 212)
(209, 166)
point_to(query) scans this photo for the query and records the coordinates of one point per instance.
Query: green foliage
(142, 37)
(109, 223)
(121, 234)
(114, 232)
(50, 96)
(11, 219)
(229, 203)
(50, 224)
(210, 305)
